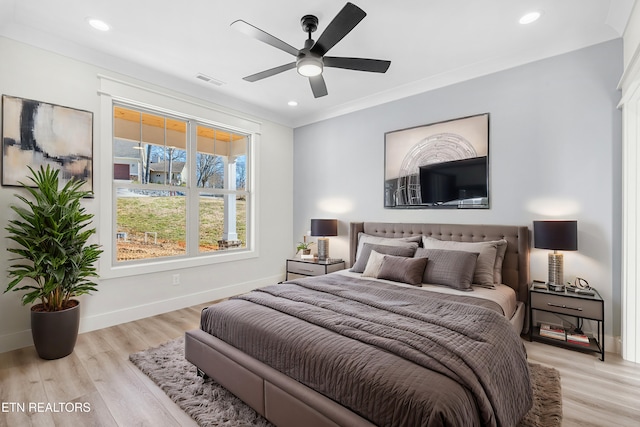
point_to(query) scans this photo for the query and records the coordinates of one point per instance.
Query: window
(179, 186)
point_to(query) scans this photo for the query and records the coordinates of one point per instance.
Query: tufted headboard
(515, 268)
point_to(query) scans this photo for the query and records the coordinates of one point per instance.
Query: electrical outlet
(176, 279)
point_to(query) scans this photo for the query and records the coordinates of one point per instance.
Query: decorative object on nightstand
(322, 228)
(558, 236)
(304, 248)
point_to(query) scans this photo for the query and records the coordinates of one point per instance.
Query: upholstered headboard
(515, 268)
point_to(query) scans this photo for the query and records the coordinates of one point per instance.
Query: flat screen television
(457, 182)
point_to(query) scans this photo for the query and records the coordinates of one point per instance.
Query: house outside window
(179, 186)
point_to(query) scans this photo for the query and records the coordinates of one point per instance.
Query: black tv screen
(454, 181)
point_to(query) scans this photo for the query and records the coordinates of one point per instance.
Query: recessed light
(530, 17)
(98, 24)
(292, 104)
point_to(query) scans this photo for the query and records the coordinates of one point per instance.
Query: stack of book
(579, 339)
(554, 332)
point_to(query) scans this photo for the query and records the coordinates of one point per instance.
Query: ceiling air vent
(209, 79)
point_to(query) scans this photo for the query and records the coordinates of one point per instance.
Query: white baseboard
(613, 344)
(22, 339)
(91, 323)
(15, 340)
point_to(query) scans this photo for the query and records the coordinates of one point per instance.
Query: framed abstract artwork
(440, 165)
(36, 133)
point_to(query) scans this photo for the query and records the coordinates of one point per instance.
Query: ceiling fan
(310, 60)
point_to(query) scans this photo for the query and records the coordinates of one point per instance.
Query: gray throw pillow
(401, 269)
(485, 265)
(497, 268)
(361, 263)
(387, 241)
(450, 268)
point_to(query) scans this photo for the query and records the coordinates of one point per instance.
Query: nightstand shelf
(593, 346)
(304, 267)
(580, 307)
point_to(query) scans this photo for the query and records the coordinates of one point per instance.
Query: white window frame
(129, 94)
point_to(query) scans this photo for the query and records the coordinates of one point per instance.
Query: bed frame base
(277, 397)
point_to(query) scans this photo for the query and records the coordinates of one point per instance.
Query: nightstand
(568, 304)
(313, 267)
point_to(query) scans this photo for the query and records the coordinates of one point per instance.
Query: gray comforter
(396, 356)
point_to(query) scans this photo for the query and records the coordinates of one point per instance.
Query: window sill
(168, 264)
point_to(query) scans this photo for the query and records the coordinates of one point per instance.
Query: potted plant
(54, 262)
(304, 247)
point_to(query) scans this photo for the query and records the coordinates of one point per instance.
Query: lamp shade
(556, 235)
(324, 227)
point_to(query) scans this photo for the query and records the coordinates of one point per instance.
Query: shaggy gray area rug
(210, 404)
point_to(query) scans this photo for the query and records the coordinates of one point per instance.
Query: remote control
(584, 292)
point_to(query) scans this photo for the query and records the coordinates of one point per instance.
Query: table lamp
(323, 228)
(558, 236)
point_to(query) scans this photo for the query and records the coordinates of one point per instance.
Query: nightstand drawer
(306, 268)
(589, 309)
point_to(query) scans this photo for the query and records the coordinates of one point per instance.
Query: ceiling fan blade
(257, 33)
(342, 24)
(270, 72)
(318, 86)
(359, 64)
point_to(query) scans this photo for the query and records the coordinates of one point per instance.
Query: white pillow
(373, 265)
(487, 256)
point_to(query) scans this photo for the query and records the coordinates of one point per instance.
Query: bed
(348, 350)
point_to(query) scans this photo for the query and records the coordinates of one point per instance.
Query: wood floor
(99, 377)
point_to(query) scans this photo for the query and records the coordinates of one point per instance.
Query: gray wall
(555, 152)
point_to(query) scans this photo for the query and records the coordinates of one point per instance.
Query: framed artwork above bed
(439, 165)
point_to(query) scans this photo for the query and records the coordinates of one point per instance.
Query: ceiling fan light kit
(309, 66)
(310, 60)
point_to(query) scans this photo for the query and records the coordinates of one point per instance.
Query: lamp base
(323, 248)
(556, 272)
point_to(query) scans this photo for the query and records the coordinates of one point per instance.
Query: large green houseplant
(54, 261)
